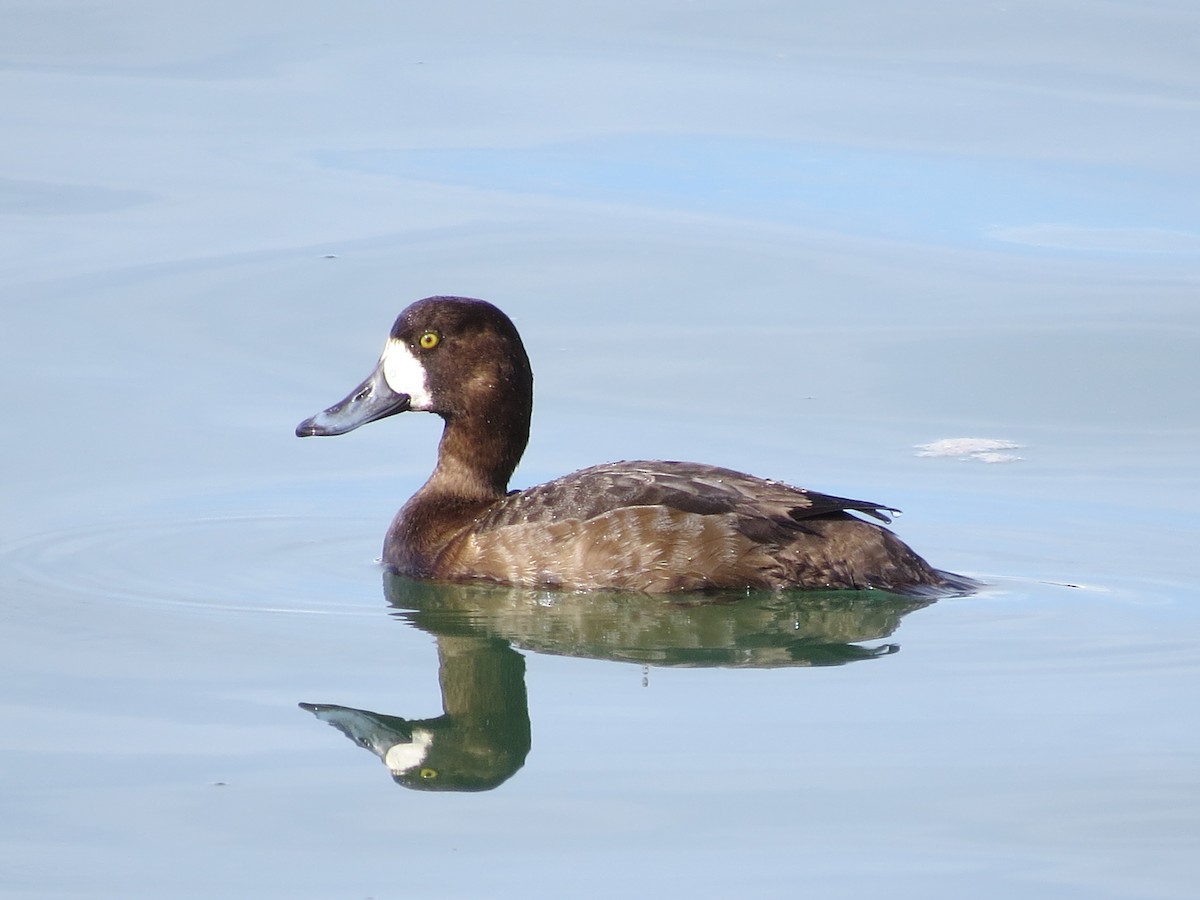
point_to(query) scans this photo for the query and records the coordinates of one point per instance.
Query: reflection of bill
(483, 735)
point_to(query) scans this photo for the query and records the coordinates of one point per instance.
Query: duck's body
(653, 526)
(644, 526)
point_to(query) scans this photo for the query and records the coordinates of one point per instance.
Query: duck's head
(456, 357)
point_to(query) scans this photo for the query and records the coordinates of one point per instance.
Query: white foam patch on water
(988, 450)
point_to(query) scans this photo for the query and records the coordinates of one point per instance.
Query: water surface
(797, 242)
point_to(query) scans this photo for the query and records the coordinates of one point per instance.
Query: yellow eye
(429, 774)
(429, 340)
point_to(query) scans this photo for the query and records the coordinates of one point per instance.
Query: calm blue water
(799, 242)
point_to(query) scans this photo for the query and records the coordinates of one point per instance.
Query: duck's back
(673, 526)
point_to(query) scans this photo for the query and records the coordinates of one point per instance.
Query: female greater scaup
(640, 526)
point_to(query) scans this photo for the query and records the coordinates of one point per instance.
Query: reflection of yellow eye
(429, 340)
(429, 774)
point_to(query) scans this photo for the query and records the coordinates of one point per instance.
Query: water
(798, 242)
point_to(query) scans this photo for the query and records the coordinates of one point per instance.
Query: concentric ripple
(262, 564)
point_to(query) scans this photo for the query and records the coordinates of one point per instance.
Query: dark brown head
(461, 359)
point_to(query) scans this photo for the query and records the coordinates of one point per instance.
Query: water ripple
(241, 563)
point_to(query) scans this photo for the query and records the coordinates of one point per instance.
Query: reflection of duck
(637, 526)
(483, 736)
(762, 630)
(479, 741)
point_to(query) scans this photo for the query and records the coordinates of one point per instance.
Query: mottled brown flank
(645, 526)
(663, 526)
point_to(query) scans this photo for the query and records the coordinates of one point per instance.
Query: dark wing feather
(687, 487)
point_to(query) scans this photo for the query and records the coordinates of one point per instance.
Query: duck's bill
(371, 400)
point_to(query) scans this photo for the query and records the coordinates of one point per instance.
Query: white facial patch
(402, 757)
(404, 374)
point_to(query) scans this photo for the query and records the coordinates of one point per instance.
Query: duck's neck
(476, 457)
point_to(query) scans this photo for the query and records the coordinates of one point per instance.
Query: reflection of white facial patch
(405, 375)
(402, 757)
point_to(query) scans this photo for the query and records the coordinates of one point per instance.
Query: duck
(645, 526)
